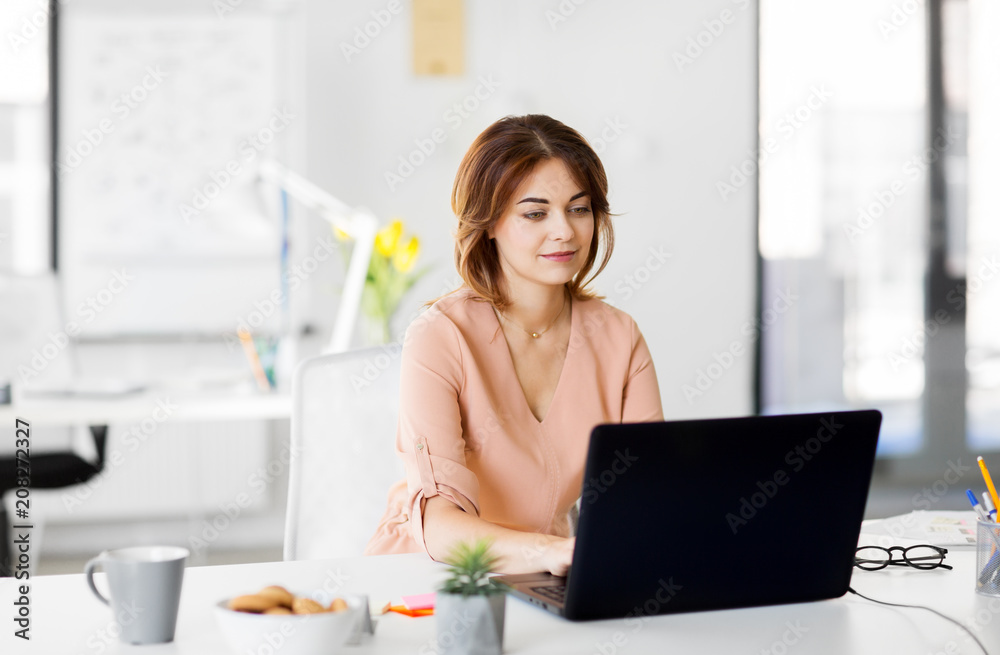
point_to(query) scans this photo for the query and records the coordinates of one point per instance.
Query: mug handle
(88, 571)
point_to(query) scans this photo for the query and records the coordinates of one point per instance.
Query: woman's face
(544, 236)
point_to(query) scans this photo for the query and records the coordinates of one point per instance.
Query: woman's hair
(496, 164)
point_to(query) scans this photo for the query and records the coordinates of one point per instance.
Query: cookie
(281, 595)
(252, 603)
(307, 606)
(338, 605)
(277, 610)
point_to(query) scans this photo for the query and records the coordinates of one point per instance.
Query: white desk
(66, 619)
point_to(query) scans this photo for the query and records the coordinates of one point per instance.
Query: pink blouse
(466, 432)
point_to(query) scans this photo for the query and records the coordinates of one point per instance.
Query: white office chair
(345, 407)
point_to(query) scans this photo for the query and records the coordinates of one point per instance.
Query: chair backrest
(345, 408)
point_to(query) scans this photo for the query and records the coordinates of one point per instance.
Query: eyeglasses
(875, 558)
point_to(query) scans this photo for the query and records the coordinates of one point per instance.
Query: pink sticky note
(419, 601)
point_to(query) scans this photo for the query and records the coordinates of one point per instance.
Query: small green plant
(469, 566)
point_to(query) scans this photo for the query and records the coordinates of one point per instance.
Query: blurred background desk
(183, 405)
(140, 416)
(175, 458)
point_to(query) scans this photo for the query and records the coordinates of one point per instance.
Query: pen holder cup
(988, 558)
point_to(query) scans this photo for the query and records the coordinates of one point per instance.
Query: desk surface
(66, 619)
(184, 405)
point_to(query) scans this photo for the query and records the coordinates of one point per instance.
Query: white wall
(607, 63)
(676, 134)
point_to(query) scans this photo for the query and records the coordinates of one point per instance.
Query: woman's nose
(560, 228)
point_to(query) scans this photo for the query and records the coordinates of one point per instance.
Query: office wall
(666, 91)
(669, 116)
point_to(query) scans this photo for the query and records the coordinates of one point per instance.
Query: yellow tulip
(403, 259)
(340, 234)
(388, 237)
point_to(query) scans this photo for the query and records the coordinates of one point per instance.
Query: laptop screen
(708, 514)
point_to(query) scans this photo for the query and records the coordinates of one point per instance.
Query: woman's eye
(581, 210)
(534, 216)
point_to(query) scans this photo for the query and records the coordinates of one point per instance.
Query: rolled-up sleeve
(429, 439)
(641, 396)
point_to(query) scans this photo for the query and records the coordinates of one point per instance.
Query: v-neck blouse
(466, 432)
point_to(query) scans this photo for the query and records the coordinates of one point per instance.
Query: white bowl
(289, 634)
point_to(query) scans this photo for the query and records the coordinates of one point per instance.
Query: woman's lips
(564, 256)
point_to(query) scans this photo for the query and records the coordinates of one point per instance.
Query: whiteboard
(163, 116)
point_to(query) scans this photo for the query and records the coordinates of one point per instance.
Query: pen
(990, 570)
(992, 565)
(258, 371)
(988, 506)
(976, 506)
(988, 574)
(989, 482)
(266, 354)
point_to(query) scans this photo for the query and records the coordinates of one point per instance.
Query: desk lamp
(359, 223)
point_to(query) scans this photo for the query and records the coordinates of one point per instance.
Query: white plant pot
(469, 626)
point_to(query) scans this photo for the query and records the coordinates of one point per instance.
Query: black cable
(921, 607)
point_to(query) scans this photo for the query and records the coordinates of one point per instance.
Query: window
(875, 134)
(25, 225)
(974, 37)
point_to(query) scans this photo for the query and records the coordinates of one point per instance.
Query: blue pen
(990, 570)
(980, 512)
(988, 506)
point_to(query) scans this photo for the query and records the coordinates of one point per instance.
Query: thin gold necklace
(535, 335)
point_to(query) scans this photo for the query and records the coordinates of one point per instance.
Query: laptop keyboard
(552, 592)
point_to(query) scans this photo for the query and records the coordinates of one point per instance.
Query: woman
(503, 379)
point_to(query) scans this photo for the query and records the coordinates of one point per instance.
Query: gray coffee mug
(145, 584)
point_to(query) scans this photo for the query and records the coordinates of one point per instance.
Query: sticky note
(399, 609)
(419, 601)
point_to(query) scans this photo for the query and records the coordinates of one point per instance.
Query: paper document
(938, 528)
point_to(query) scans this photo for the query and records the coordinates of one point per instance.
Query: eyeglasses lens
(871, 558)
(923, 557)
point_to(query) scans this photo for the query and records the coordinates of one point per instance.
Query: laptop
(694, 515)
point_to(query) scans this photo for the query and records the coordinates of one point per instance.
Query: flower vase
(376, 330)
(469, 625)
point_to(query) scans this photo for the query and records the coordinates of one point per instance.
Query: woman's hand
(559, 555)
(543, 552)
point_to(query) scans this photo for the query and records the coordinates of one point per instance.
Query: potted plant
(470, 605)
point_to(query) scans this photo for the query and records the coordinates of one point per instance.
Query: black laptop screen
(705, 514)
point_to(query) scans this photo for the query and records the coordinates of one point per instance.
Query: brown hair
(497, 162)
